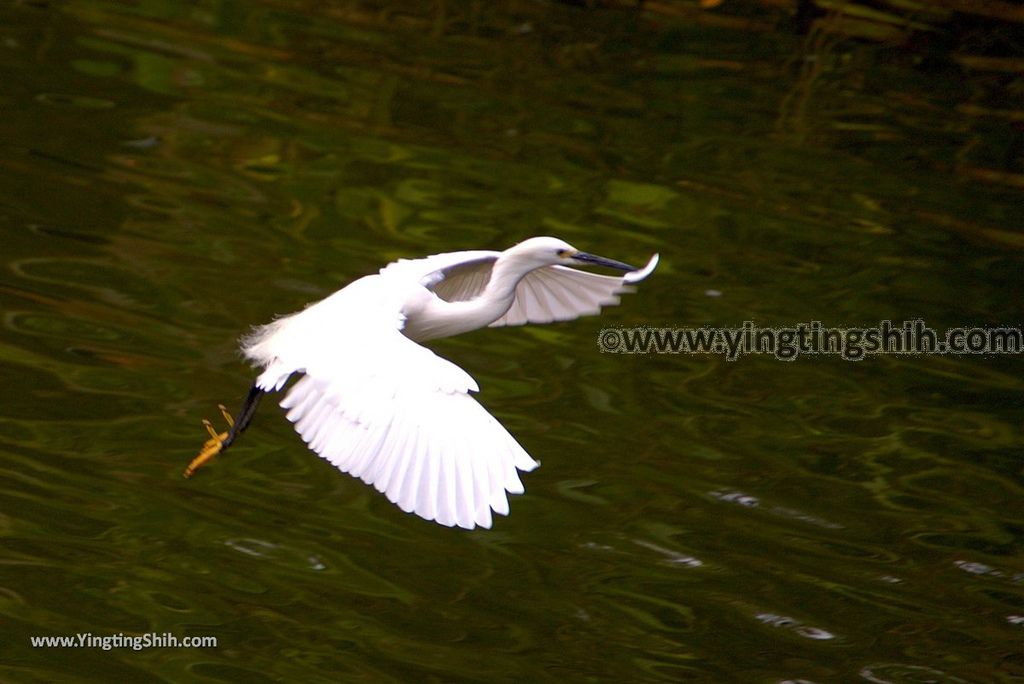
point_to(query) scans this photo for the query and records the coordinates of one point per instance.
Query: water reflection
(175, 173)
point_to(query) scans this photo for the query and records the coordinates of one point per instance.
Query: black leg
(219, 443)
(252, 401)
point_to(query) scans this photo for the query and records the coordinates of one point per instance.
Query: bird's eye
(562, 253)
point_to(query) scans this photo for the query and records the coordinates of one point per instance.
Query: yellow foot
(212, 446)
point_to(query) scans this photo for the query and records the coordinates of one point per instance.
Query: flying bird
(383, 408)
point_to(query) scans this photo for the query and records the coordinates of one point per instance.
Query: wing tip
(640, 274)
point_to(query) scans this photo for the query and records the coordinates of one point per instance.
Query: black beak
(601, 261)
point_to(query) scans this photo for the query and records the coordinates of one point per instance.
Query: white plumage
(385, 409)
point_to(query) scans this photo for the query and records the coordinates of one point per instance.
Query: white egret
(382, 408)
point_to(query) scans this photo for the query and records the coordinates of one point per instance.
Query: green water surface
(172, 173)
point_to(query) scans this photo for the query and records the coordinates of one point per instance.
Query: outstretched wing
(559, 293)
(432, 451)
(464, 281)
(453, 276)
(546, 294)
(390, 412)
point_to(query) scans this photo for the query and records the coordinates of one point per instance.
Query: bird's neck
(505, 276)
(444, 319)
(497, 297)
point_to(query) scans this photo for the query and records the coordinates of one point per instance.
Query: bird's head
(549, 251)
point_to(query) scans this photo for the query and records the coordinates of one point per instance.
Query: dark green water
(172, 173)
